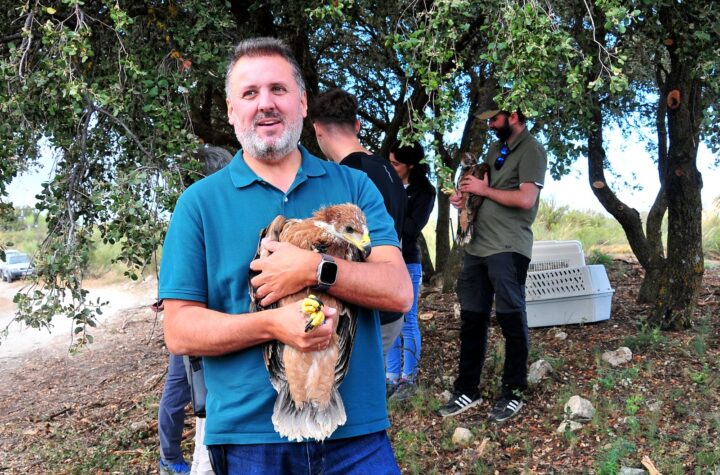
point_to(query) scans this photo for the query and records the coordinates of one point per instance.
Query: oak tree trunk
(428, 270)
(680, 283)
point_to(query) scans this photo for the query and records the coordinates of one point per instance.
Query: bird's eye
(349, 229)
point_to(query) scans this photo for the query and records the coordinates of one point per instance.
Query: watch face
(328, 272)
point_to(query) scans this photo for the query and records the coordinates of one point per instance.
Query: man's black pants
(500, 277)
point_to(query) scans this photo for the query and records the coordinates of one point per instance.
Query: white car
(16, 264)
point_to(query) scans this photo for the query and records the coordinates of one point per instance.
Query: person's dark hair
(334, 106)
(264, 46)
(411, 155)
(521, 117)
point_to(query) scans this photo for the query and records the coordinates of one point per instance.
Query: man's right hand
(289, 328)
(456, 199)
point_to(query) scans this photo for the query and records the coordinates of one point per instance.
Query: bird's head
(468, 160)
(346, 222)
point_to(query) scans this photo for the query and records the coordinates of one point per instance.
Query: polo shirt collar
(242, 176)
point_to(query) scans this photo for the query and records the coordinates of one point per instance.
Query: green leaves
(426, 41)
(100, 86)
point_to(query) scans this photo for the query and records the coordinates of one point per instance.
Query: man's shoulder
(535, 149)
(374, 166)
(531, 141)
(363, 161)
(211, 184)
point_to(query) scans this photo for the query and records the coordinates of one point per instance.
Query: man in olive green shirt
(496, 262)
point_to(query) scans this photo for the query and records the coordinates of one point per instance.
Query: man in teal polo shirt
(208, 251)
(496, 262)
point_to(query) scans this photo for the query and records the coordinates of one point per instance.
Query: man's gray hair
(264, 46)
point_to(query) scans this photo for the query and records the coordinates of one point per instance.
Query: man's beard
(504, 132)
(274, 148)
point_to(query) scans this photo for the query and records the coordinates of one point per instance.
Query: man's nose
(266, 100)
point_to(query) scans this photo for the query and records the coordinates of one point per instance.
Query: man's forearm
(193, 329)
(523, 197)
(382, 283)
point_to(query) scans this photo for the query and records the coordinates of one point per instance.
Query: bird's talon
(312, 307)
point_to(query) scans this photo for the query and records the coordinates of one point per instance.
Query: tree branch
(9, 38)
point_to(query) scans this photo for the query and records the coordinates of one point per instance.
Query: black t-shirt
(387, 181)
(383, 175)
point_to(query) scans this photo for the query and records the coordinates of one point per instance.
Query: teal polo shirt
(213, 236)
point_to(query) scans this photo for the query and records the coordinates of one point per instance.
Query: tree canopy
(127, 95)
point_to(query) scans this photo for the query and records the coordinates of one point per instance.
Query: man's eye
(249, 94)
(279, 90)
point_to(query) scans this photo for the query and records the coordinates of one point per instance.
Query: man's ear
(229, 111)
(303, 103)
(318, 129)
(357, 126)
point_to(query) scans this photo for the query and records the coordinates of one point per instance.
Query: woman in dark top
(404, 355)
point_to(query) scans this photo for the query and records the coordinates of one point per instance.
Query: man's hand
(457, 199)
(289, 328)
(287, 270)
(470, 184)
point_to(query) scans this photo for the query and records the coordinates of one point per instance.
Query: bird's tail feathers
(463, 236)
(311, 421)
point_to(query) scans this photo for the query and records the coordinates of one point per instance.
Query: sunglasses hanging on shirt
(504, 152)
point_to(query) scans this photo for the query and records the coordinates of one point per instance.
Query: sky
(634, 165)
(630, 160)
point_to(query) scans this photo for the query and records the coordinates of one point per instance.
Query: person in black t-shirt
(334, 117)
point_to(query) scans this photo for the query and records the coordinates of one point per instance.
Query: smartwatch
(326, 273)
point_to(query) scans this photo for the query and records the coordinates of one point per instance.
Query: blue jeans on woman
(404, 355)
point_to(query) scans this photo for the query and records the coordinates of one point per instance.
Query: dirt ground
(94, 412)
(50, 396)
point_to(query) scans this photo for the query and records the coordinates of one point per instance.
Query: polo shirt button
(286, 198)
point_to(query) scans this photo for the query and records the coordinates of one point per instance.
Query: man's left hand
(287, 270)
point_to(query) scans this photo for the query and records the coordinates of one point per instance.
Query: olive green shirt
(499, 228)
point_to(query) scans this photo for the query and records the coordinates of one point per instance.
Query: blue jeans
(366, 454)
(404, 355)
(171, 414)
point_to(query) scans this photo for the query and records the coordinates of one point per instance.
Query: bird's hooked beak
(363, 244)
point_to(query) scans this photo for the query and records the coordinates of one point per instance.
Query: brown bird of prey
(470, 203)
(308, 405)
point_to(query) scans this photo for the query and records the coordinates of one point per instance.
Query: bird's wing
(478, 171)
(272, 232)
(273, 358)
(471, 202)
(272, 351)
(347, 324)
(464, 216)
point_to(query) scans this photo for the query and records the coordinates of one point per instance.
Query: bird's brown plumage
(471, 202)
(309, 405)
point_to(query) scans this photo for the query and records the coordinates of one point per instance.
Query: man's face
(266, 106)
(500, 124)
